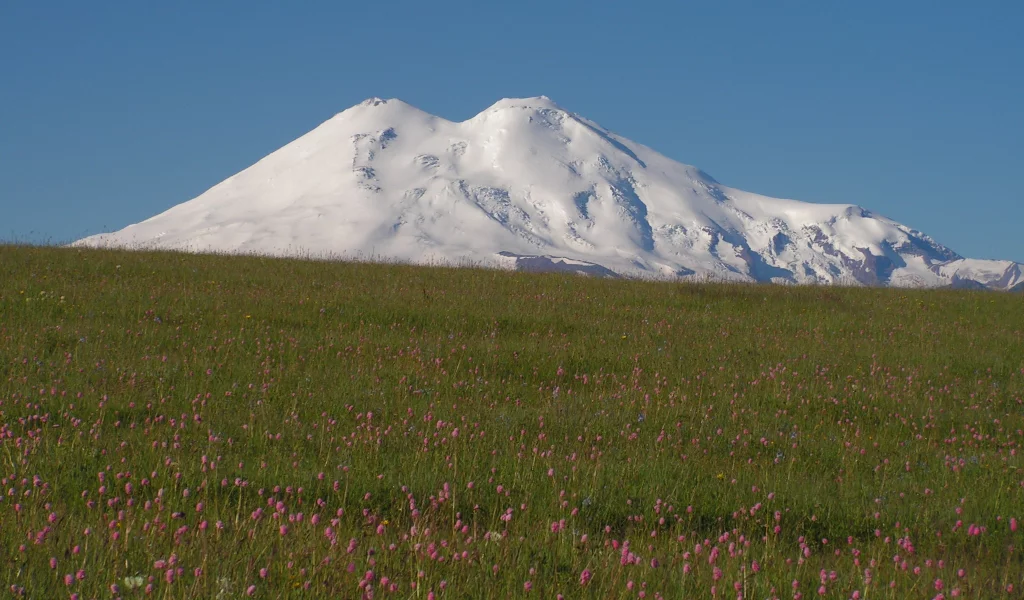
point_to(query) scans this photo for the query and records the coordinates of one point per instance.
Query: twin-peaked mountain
(526, 184)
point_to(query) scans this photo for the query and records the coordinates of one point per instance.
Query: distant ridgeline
(526, 184)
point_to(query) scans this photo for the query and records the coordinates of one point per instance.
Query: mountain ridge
(527, 178)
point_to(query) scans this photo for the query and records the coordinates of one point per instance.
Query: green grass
(862, 416)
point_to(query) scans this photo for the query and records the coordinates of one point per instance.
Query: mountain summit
(527, 184)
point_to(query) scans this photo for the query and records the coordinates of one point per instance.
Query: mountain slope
(524, 184)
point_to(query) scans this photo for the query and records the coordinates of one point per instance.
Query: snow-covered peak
(381, 108)
(518, 112)
(386, 103)
(535, 103)
(374, 101)
(527, 184)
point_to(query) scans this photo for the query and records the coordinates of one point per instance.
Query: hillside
(219, 426)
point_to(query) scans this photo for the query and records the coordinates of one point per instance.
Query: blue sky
(111, 112)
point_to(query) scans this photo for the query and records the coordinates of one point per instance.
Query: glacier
(526, 184)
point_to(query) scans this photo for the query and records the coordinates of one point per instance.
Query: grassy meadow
(184, 426)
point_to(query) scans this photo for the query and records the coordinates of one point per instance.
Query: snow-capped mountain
(526, 184)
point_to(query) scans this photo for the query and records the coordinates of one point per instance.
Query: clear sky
(111, 112)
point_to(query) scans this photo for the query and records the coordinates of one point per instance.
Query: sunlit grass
(199, 426)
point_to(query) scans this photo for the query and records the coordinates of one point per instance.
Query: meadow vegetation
(185, 426)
